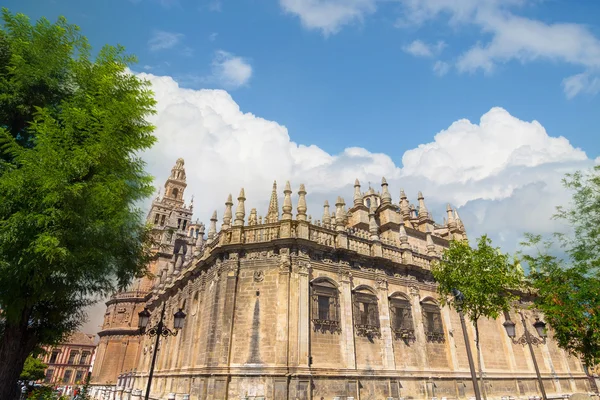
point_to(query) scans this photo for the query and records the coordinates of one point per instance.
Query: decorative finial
(326, 215)
(240, 212)
(358, 198)
(386, 197)
(301, 215)
(423, 213)
(287, 202)
(339, 214)
(430, 245)
(252, 219)
(212, 227)
(451, 221)
(228, 213)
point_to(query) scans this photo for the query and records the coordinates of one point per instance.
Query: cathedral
(284, 306)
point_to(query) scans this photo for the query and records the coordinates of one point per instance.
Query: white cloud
(230, 70)
(328, 16)
(441, 68)
(503, 173)
(467, 151)
(418, 48)
(585, 82)
(162, 40)
(505, 35)
(514, 38)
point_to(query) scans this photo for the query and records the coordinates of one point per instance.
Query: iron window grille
(325, 307)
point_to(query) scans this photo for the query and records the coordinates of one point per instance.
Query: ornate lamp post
(158, 331)
(540, 327)
(459, 297)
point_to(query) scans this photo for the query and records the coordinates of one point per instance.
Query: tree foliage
(569, 290)
(484, 275)
(71, 129)
(33, 370)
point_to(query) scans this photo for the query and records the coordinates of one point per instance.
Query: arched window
(369, 203)
(366, 312)
(325, 306)
(175, 192)
(401, 318)
(432, 321)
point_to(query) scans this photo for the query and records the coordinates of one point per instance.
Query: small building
(70, 363)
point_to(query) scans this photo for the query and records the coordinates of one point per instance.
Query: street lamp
(158, 331)
(459, 297)
(528, 339)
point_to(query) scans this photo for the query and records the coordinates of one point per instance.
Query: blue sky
(483, 104)
(354, 86)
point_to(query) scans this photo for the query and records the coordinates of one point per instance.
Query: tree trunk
(479, 362)
(15, 345)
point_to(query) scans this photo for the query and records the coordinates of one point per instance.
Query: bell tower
(175, 184)
(174, 240)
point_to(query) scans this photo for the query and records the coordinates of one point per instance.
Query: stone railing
(361, 246)
(357, 240)
(392, 254)
(321, 235)
(261, 233)
(128, 295)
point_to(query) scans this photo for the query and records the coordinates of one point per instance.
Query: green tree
(71, 129)
(485, 276)
(33, 370)
(568, 290)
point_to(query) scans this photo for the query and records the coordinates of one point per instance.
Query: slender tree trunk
(479, 362)
(15, 345)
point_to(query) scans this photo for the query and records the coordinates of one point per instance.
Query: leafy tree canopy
(483, 274)
(33, 370)
(569, 290)
(71, 129)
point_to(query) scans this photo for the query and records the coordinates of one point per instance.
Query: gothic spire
(273, 212)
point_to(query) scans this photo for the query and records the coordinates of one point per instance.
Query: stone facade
(69, 363)
(284, 307)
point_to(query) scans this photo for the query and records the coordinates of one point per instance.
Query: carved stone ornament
(414, 290)
(259, 275)
(382, 283)
(303, 268)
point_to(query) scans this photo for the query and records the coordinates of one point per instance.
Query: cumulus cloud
(502, 173)
(328, 16)
(418, 48)
(162, 40)
(230, 70)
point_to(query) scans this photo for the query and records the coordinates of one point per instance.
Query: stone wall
(249, 333)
